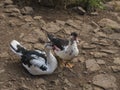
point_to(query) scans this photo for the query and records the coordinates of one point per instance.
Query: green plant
(90, 5)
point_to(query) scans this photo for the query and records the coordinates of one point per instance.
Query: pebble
(100, 62)
(115, 68)
(27, 10)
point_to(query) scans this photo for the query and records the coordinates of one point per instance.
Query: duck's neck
(52, 62)
(72, 43)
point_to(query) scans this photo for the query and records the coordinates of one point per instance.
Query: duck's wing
(60, 43)
(17, 48)
(36, 58)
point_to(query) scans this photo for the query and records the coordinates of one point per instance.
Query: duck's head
(48, 46)
(74, 37)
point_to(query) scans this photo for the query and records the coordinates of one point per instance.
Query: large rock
(114, 5)
(100, 62)
(51, 27)
(40, 34)
(27, 10)
(4, 55)
(117, 43)
(98, 54)
(115, 68)
(115, 36)
(92, 65)
(12, 10)
(105, 22)
(74, 23)
(87, 87)
(108, 82)
(69, 29)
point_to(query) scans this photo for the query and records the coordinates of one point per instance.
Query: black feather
(74, 34)
(27, 56)
(60, 43)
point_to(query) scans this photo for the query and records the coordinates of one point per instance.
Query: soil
(14, 77)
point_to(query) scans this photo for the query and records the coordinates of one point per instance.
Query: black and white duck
(65, 49)
(36, 62)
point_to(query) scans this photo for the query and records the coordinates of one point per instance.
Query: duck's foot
(69, 65)
(63, 63)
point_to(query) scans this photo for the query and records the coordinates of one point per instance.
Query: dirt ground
(14, 77)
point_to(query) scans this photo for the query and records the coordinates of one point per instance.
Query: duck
(65, 49)
(36, 62)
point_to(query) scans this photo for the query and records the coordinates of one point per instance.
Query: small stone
(14, 14)
(1, 4)
(28, 19)
(2, 16)
(2, 71)
(115, 68)
(75, 60)
(87, 87)
(92, 65)
(37, 17)
(74, 23)
(24, 87)
(39, 81)
(56, 82)
(81, 59)
(65, 88)
(109, 51)
(101, 62)
(115, 36)
(85, 72)
(7, 2)
(21, 35)
(101, 42)
(4, 55)
(60, 22)
(11, 6)
(88, 46)
(66, 81)
(98, 88)
(101, 34)
(98, 54)
(117, 61)
(12, 10)
(117, 43)
(79, 10)
(94, 13)
(27, 10)
(40, 35)
(105, 81)
(40, 88)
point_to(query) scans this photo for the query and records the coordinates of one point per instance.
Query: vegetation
(88, 5)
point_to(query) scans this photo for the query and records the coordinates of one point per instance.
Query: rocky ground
(96, 68)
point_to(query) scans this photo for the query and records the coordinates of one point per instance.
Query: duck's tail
(17, 48)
